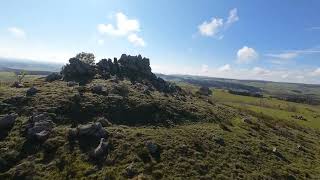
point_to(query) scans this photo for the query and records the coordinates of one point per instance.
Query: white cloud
(233, 16)
(224, 68)
(211, 28)
(204, 68)
(283, 56)
(316, 72)
(260, 71)
(136, 40)
(124, 27)
(246, 55)
(217, 25)
(17, 32)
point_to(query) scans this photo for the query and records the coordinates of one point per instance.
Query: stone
(104, 122)
(72, 83)
(101, 150)
(8, 121)
(153, 148)
(97, 89)
(53, 77)
(31, 91)
(130, 171)
(40, 127)
(92, 130)
(219, 140)
(17, 85)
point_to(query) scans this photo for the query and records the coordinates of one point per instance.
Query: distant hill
(29, 65)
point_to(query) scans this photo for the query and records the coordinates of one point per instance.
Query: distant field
(10, 77)
(265, 107)
(271, 107)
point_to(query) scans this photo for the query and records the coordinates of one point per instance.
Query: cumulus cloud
(283, 56)
(216, 25)
(224, 68)
(124, 27)
(233, 16)
(17, 32)
(211, 28)
(246, 55)
(136, 40)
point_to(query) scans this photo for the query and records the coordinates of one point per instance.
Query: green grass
(190, 148)
(275, 108)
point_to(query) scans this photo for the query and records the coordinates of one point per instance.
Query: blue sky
(269, 40)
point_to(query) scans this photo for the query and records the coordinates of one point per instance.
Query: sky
(264, 40)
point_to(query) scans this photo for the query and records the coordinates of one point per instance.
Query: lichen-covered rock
(53, 77)
(31, 91)
(7, 121)
(40, 126)
(90, 130)
(101, 150)
(93, 130)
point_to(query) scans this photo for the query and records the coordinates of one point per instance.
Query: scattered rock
(104, 122)
(17, 85)
(53, 77)
(72, 83)
(101, 150)
(98, 89)
(32, 91)
(299, 117)
(94, 130)
(219, 140)
(154, 149)
(40, 127)
(7, 121)
(130, 171)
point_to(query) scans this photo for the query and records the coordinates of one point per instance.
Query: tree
(87, 58)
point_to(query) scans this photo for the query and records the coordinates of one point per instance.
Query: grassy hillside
(224, 136)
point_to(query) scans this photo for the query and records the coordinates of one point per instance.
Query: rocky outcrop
(78, 71)
(40, 127)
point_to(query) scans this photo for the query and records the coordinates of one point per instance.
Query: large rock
(53, 77)
(7, 121)
(101, 150)
(40, 126)
(91, 130)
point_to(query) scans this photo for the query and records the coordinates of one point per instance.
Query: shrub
(78, 71)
